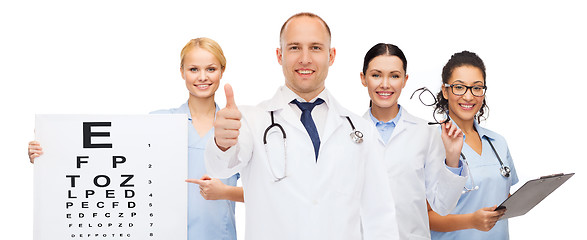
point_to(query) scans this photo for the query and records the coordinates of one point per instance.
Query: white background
(122, 57)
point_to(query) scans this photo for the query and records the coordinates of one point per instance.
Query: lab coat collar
(405, 122)
(393, 121)
(336, 116)
(284, 95)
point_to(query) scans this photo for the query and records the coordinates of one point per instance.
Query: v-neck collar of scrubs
(196, 141)
(484, 135)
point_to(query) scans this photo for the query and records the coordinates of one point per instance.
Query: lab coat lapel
(286, 116)
(281, 108)
(334, 119)
(367, 116)
(405, 122)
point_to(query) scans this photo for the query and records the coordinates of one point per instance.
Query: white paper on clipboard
(532, 193)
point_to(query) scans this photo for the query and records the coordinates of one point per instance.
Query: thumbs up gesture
(227, 124)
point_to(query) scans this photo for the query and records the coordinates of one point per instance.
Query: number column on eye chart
(151, 219)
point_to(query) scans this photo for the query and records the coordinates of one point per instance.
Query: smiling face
(385, 78)
(305, 56)
(464, 108)
(202, 72)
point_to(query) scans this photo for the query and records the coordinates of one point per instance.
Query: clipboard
(532, 193)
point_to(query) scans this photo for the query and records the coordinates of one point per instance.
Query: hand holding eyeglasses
(452, 138)
(228, 122)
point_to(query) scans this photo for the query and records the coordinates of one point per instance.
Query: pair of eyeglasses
(460, 89)
(429, 100)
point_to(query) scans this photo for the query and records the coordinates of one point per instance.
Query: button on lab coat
(414, 159)
(343, 195)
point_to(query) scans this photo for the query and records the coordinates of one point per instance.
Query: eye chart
(111, 177)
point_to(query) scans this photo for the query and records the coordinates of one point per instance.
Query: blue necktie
(306, 119)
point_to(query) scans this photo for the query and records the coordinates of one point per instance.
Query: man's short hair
(303, 14)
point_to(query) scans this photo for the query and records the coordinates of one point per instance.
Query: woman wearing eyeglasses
(492, 170)
(418, 166)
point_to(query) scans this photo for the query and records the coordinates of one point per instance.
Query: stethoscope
(356, 136)
(504, 170)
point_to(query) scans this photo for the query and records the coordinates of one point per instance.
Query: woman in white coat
(419, 167)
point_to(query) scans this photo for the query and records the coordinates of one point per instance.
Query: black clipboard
(532, 193)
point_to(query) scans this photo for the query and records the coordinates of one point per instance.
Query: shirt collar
(483, 132)
(289, 95)
(392, 122)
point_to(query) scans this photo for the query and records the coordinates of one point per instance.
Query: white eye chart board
(111, 177)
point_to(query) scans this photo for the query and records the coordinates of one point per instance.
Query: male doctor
(312, 180)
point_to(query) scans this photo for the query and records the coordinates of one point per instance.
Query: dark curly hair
(464, 58)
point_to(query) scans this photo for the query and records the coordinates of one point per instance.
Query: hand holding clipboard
(532, 193)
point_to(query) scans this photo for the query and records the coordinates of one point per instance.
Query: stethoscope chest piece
(357, 136)
(505, 171)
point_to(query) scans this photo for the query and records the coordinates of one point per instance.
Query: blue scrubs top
(207, 219)
(493, 187)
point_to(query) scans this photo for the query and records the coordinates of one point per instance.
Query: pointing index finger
(196, 181)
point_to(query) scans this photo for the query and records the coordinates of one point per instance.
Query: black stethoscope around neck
(356, 136)
(505, 171)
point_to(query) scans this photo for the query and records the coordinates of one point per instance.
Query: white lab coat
(327, 199)
(415, 162)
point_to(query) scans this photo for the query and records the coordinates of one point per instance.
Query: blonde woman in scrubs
(202, 66)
